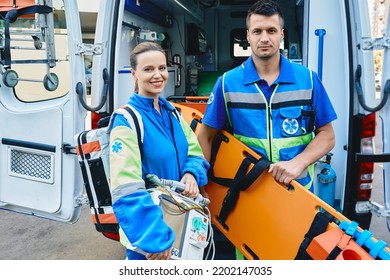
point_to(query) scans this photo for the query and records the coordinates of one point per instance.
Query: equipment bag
(92, 147)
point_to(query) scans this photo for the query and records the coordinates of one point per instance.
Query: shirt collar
(286, 74)
(147, 102)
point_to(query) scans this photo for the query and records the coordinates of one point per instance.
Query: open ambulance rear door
(42, 64)
(385, 114)
(338, 39)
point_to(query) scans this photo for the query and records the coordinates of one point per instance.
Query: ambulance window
(38, 56)
(240, 49)
(240, 45)
(88, 25)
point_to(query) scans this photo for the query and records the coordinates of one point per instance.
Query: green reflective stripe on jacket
(255, 142)
(123, 238)
(125, 158)
(310, 170)
(194, 148)
(277, 144)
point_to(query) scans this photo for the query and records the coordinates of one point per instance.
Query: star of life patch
(117, 146)
(290, 126)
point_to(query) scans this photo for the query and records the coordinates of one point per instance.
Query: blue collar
(147, 102)
(286, 74)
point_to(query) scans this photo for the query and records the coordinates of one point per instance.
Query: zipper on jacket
(269, 132)
(270, 128)
(269, 118)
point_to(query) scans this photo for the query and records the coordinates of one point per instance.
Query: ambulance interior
(201, 40)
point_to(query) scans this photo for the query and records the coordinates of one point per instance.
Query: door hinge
(81, 200)
(69, 149)
(379, 43)
(373, 207)
(89, 49)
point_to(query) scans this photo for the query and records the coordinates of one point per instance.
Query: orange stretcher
(7, 5)
(195, 102)
(269, 220)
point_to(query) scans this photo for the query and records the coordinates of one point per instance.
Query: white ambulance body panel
(37, 175)
(334, 49)
(333, 53)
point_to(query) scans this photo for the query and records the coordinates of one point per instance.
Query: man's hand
(286, 171)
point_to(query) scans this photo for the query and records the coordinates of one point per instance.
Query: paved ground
(30, 238)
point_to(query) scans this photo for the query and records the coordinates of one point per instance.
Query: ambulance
(64, 65)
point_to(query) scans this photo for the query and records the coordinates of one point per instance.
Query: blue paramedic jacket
(276, 121)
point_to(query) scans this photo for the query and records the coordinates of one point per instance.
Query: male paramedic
(278, 108)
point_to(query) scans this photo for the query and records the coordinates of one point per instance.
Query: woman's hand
(192, 189)
(160, 256)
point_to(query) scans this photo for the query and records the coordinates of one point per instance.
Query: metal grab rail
(362, 102)
(80, 93)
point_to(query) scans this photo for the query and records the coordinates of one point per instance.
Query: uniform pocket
(291, 121)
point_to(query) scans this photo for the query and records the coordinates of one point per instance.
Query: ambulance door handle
(320, 33)
(80, 93)
(362, 102)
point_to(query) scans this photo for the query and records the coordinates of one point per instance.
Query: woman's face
(151, 73)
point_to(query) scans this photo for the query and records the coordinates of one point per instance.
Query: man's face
(264, 35)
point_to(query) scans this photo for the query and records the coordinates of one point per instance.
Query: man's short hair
(265, 8)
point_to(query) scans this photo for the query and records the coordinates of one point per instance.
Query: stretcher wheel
(37, 42)
(50, 84)
(10, 78)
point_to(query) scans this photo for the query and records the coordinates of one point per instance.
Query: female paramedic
(170, 150)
